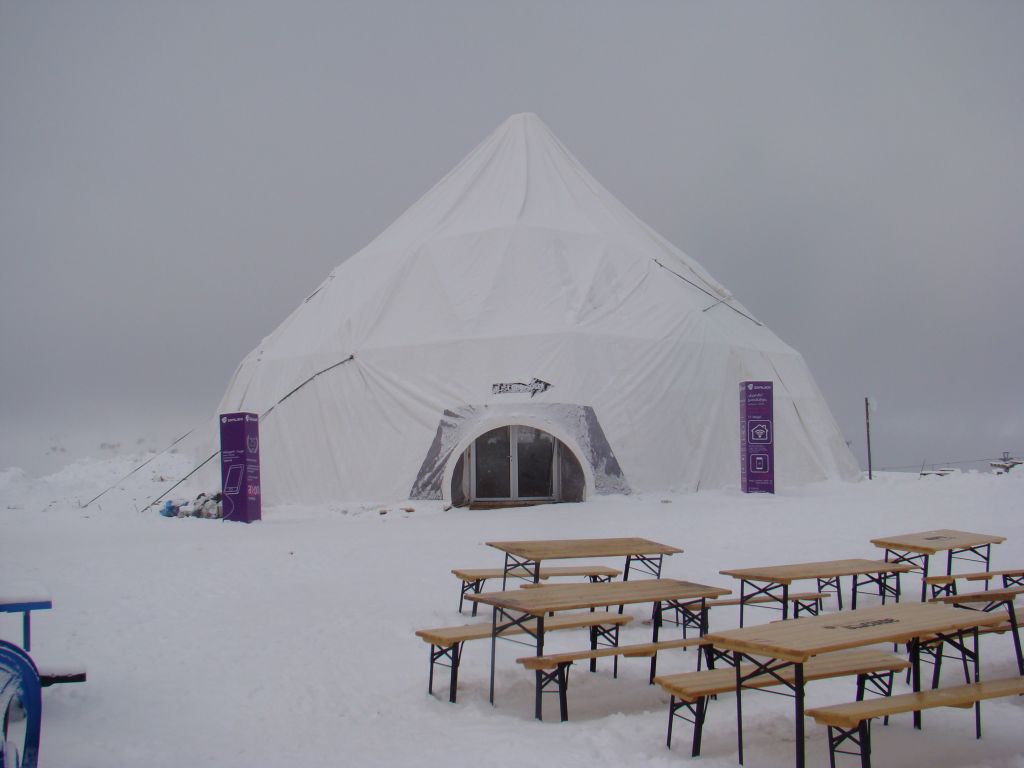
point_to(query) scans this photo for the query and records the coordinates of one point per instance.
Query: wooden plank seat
(690, 691)
(446, 642)
(473, 579)
(852, 722)
(554, 667)
(946, 584)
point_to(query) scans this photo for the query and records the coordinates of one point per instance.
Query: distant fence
(962, 464)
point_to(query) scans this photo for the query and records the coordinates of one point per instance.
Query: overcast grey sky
(852, 172)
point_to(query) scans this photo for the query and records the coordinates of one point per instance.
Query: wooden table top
(930, 542)
(799, 639)
(567, 597)
(561, 549)
(786, 574)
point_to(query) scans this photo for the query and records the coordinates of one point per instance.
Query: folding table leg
(977, 677)
(798, 684)
(1016, 636)
(924, 575)
(540, 652)
(915, 667)
(736, 659)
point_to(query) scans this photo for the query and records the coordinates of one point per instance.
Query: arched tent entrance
(581, 448)
(516, 464)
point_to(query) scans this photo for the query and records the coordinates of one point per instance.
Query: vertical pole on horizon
(867, 424)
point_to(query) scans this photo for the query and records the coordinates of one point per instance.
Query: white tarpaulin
(519, 269)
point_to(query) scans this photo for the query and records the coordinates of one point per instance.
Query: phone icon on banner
(759, 464)
(234, 479)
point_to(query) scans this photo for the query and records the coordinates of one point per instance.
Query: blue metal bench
(24, 600)
(19, 681)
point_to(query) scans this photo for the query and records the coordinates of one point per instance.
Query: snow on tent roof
(519, 265)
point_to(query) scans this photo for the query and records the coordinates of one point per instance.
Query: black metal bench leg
(831, 748)
(560, 677)
(859, 737)
(563, 684)
(430, 677)
(698, 710)
(865, 743)
(453, 685)
(698, 725)
(454, 655)
(671, 720)
(478, 587)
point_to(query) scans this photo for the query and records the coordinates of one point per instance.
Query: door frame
(513, 443)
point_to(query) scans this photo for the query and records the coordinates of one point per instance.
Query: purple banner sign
(240, 466)
(757, 437)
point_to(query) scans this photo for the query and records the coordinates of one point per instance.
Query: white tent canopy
(519, 268)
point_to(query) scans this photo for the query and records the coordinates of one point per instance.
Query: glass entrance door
(493, 453)
(535, 454)
(513, 463)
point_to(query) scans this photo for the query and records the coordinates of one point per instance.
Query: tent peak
(524, 117)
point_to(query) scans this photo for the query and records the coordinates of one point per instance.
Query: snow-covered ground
(290, 641)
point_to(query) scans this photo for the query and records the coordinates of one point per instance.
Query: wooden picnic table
(918, 548)
(643, 555)
(774, 648)
(515, 607)
(23, 599)
(775, 580)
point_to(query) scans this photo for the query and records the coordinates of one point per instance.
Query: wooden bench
(473, 578)
(554, 667)
(446, 642)
(852, 722)
(690, 691)
(933, 650)
(946, 585)
(986, 601)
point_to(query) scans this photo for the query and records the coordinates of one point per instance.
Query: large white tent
(519, 313)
